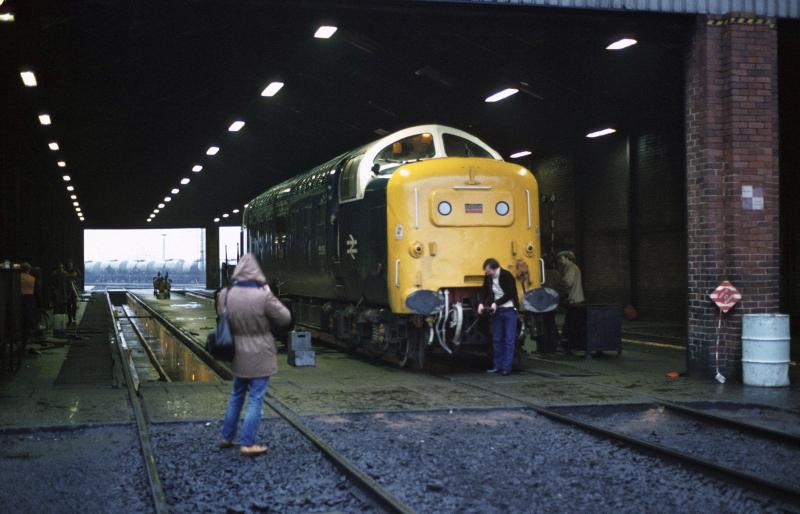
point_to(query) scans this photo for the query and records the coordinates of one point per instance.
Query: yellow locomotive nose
(464, 210)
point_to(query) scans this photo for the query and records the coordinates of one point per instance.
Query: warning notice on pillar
(752, 198)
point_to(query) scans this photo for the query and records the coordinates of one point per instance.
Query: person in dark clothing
(156, 283)
(30, 309)
(58, 290)
(499, 292)
(73, 279)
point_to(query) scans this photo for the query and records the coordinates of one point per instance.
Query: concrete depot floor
(351, 383)
(33, 396)
(347, 383)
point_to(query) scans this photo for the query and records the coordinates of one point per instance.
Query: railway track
(157, 493)
(382, 498)
(742, 477)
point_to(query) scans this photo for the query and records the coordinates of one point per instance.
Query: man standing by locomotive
(500, 293)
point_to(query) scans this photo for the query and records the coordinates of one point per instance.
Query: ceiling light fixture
(325, 32)
(28, 78)
(212, 150)
(167, 199)
(216, 220)
(523, 153)
(175, 190)
(44, 119)
(53, 146)
(197, 168)
(73, 197)
(603, 132)
(70, 188)
(501, 95)
(6, 17)
(225, 215)
(156, 211)
(62, 164)
(622, 43)
(161, 206)
(76, 204)
(235, 211)
(149, 220)
(236, 126)
(272, 89)
(66, 178)
(245, 205)
(185, 180)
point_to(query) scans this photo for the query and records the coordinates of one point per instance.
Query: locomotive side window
(408, 149)
(348, 180)
(456, 146)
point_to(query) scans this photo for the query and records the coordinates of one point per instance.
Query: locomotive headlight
(502, 208)
(445, 208)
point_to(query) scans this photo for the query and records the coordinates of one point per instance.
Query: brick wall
(731, 141)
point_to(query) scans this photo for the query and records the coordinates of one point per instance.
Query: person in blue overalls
(499, 292)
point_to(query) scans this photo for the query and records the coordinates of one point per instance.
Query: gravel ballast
(511, 460)
(294, 476)
(97, 469)
(732, 447)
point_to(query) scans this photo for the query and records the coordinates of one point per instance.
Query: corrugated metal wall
(772, 8)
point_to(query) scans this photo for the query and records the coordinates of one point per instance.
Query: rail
(156, 489)
(365, 483)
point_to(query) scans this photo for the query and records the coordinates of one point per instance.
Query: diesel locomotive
(380, 249)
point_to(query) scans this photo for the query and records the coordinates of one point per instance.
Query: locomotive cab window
(348, 180)
(409, 149)
(456, 146)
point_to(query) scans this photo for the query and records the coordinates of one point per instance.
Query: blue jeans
(504, 335)
(255, 389)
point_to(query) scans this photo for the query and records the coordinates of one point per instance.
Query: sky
(228, 236)
(147, 244)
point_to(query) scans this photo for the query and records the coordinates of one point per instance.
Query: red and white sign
(725, 296)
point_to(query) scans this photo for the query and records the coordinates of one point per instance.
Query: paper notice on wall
(752, 198)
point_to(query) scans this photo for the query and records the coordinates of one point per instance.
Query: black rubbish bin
(593, 328)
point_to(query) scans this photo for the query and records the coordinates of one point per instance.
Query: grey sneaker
(493, 370)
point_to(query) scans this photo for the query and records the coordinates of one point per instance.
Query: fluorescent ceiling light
(28, 78)
(185, 180)
(216, 220)
(53, 146)
(149, 220)
(517, 155)
(73, 197)
(76, 204)
(212, 150)
(325, 32)
(622, 43)
(66, 178)
(272, 89)
(197, 168)
(62, 164)
(161, 206)
(44, 119)
(500, 95)
(6, 17)
(175, 190)
(167, 199)
(77, 209)
(236, 126)
(156, 211)
(70, 188)
(225, 215)
(598, 133)
(235, 211)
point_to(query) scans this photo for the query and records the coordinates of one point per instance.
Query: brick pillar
(731, 142)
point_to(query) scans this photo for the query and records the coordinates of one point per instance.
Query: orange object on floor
(672, 375)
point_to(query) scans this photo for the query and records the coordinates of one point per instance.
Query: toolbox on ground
(301, 353)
